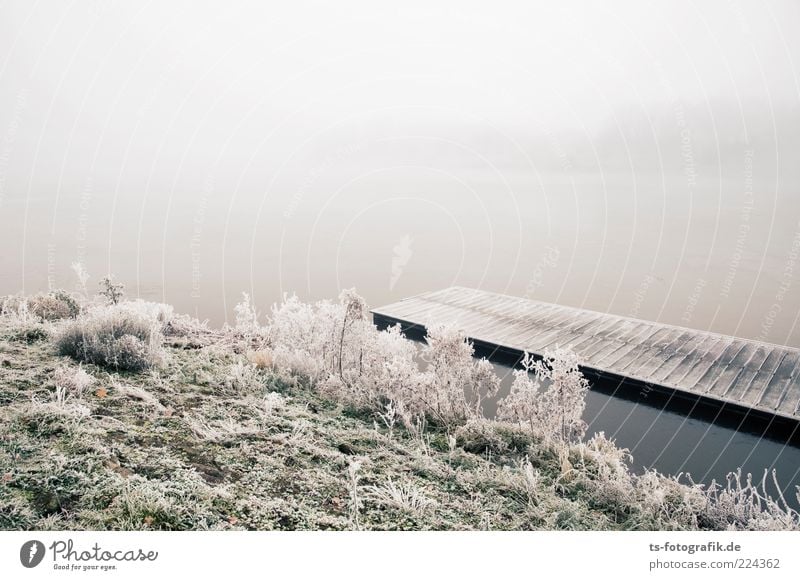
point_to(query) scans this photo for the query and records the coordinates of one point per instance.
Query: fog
(638, 157)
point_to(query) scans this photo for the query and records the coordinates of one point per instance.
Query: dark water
(689, 442)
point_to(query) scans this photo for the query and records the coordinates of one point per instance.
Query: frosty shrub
(175, 325)
(745, 505)
(301, 337)
(53, 306)
(16, 308)
(554, 411)
(11, 305)
(161, 314)
(666, 503)
(334, 344)
(378, 373)
(523, 403)
(246, 317)
(602, 468)
(338, 348)
(354, 314)
(111, 291)
(125, 337)
(455, 384)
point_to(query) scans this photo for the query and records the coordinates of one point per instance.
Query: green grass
(179, 448)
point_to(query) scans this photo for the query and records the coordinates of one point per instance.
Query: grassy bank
(172, 425)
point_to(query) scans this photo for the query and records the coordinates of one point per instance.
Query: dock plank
(689, 364)
(790, 399)
(763, 377)
(709, 359)
(775, 389)
(660, 352)
(727, 383)
(678, 357)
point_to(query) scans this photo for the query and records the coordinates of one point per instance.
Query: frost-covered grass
(311, 419)
(123, 337)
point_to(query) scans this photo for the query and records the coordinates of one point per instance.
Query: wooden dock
(740, 374)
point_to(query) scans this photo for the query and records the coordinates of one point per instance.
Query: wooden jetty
(743, 375)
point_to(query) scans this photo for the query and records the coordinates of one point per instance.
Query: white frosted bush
(603, 468)
(127, 337)
(555, 410)
(246, 317)
(16, 307)
(338, 348)
(455, 383)
(749, 506)
(335, 345)
(302, 336)
(565, 398)
(667, 503)
(522, 404)
(378, 369)
(56, 305)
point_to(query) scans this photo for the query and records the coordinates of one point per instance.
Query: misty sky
(293, 137)
(207, 72)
